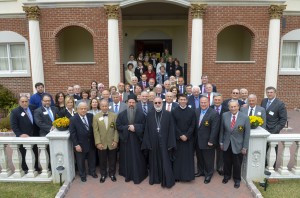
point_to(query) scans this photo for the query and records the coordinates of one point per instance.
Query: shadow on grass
(282, 189)
(28, 190)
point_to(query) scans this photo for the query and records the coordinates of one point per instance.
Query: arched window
(234, 44)
(14, 55)
(290, 53)
(75, 45)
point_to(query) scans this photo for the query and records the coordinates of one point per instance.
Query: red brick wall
(20, 26)
(288, 85)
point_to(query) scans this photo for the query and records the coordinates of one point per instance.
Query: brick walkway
(92, 188)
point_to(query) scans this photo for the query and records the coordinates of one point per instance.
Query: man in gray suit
(123, 95)
(234, 141)
(117, 106)
(254, 110)
(145, 106)
(45, 115)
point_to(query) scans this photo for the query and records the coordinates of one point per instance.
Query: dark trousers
(219, 160)
(23, 154)
(205, 161)
(80, 160)
(232, 162)
(111, 156)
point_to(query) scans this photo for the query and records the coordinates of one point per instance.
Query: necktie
(28, 113)
(218, 110)
(208, 96)
(251, 111)
(50, 114)
(144, 85)
(85, 123)
(169, 107)
(232, 122)
(197, 103)
(121, 97)
(116, 108)
(144, 109)
(201, 117)
(203, 89)
(105, 114)
(268, 104)
(181, 89)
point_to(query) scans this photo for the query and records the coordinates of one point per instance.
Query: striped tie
(232, 122)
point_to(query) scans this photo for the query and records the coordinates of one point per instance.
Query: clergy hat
(132, 96)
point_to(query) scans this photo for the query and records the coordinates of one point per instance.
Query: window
(290, 53)
(14, 61)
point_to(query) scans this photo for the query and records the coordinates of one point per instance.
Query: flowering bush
(256, 121)
(61, 122)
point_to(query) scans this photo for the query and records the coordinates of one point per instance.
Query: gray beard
(131, 115)
(158, 109)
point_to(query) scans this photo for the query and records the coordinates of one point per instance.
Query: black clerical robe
(159, 139)
(184, 166)
(132, 163)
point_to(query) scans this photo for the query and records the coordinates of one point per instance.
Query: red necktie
(208, 96)
(121, 97)
(232, 122)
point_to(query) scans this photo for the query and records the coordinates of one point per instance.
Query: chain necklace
(157, 120)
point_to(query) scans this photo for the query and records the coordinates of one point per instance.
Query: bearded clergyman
(160, 141)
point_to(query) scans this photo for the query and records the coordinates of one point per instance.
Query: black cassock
(132, 163)
(161, 145)
(183, 165)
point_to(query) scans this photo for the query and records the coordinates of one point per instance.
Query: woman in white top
(129, 73)
(94, 106)
(161, 63)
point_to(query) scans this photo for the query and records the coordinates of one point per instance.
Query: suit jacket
(140, 83)
(178, 68)
(214, 88)
(238, 136)
(105, 135)
(259, 111)
(208, 130)
(162, 96)
(43, 120)
(183, 86)
(223, 109)
(174, 105)
(140, 108)
(21, 124)
(191, 102)
(79, 134)
(124, 96)
(276, 115)
(211, 97)
(122, 107)
(225, 103)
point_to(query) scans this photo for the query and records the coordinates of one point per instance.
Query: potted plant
(255, 121)
(61, 124)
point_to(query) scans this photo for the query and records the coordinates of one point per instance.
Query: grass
(282, 189)
(28, 190)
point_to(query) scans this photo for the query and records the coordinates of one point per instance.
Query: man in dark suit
(276, 114)
(217, 106)
(194, 100)
(153, 60)
(235, 95)
(204, 79)
(82, 136)
(207, 128)
(22, 124)
(169, 105)
(180, 85)
(234, 141)
(144, 106)
(254, 109)
(134, 82)
(116, 105)
(143, 83)
(77, 91)
(45, 115)
(158, 91)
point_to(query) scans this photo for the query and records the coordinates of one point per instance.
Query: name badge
(130, 89)
(22, 114)
(75, 99)
(101, 118)
(190, 106)
(271, 113)
(259, 113)
(45, 113)
(109, 107)
(164, 99)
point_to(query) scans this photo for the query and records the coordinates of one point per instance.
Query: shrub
(7, 100)
(5, 124)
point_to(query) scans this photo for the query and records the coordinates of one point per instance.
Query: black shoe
(207, 180)
(177, 180)
(127, 180)
(113, 178)
(224, 181)
(102, 179)
(25, 171)
(94, 175)
(237, 184)
(83, 179)
(199, 174)
(220, 172)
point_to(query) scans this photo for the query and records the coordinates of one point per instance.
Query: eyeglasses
(235, 92)
(157, 102)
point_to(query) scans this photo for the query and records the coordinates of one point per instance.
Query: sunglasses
(235, 93)
(157, 103)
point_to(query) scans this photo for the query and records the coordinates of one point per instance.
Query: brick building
(251, 44)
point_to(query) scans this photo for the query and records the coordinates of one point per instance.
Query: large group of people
(154, 124)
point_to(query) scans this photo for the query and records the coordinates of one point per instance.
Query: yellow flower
(61, 122)
(256, 121)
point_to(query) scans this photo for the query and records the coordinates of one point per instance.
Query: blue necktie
(268, 104)
(116, 108)
(27, 111)
(50, 114)
(197, 103)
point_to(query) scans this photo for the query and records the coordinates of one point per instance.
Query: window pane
(17, 50)
(3, 51)
(289, 54)
(18, 64)
(4, 64)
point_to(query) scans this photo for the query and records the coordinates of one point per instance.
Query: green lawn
(283, 189)
(28, 190)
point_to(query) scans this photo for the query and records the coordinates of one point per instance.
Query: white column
(275, 12)
(36, 58)
(17, 161)
(114, 73)
(285, 158)
(44, 160)
(271, 156)
(5, 172)
(296, 168)
(197, 11)
(30, 161)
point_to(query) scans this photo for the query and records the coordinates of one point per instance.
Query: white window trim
(8, 37)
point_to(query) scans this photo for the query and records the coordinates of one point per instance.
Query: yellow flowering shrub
(256, 121)
(61, 122)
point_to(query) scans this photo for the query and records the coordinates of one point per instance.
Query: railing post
(62, 154)
(44, 160)
(17, 161)
(296, 168)
(283, 169)
(5, 172)
(254, 162)
(271, 156)
(30, 161)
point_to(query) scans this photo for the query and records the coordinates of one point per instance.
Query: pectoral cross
(158, 129)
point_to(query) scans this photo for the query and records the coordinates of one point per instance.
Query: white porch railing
(284, 158)
(9, 150)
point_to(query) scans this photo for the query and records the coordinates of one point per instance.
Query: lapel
(46, 115)
(81, 121)
(26, 116)
(205, 116)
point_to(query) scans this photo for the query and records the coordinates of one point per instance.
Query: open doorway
(150, 46)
